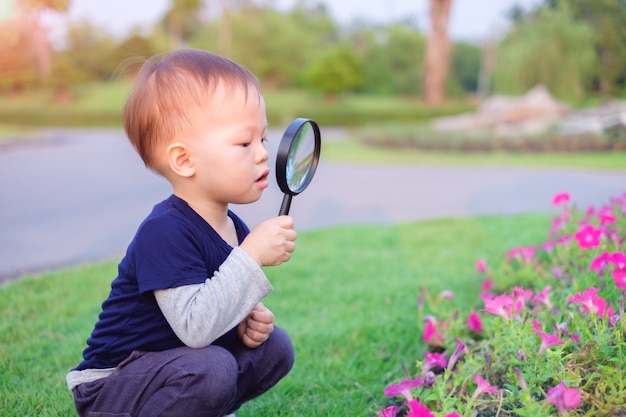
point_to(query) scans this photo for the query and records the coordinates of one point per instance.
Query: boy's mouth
(262, 180)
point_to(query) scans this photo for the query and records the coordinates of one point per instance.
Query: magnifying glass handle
(284, 207)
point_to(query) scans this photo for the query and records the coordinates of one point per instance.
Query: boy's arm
(199, 314)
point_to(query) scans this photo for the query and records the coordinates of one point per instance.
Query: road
(78, 195)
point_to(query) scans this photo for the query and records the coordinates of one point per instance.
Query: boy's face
(228, 147)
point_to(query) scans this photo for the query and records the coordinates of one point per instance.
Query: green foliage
(466, 65)
(549, 48)
(339, 71)
(607, 18)
(395, 59)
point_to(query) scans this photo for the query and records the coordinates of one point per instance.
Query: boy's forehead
(227, 89)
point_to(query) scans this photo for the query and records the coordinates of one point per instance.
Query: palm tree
(437, 52)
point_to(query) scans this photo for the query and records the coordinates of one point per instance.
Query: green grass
(347, 298)
(353, 151)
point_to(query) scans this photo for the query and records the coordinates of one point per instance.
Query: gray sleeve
(201, 313)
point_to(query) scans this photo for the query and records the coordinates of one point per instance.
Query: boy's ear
(180, 160)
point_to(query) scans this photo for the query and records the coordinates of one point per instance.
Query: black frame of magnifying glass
(283, 155)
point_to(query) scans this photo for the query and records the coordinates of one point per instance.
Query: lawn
(347, 298)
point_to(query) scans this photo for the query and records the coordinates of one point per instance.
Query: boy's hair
(169, 89)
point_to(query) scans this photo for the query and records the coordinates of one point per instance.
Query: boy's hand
(257, 327)
(271, 242)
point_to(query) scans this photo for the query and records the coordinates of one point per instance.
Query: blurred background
(66, 62)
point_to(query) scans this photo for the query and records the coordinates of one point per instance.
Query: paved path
(80, 195)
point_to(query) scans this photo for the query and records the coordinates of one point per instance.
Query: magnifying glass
(297, 159)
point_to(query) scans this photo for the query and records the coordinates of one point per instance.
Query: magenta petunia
(606, 216)
(456, 355)
(390, 411)
(474, 323)
(599, 262)
(618, 259)
(501, 305)
(434, 360)
(548, 340)
(481, 266)
(619, 278)
(561, 198)
(588, 236)
(482, 386)
(431, 334)
(592, 303)
(404, 388)
(564, 398)
(417, 409)
(543, 297)
(523, 254)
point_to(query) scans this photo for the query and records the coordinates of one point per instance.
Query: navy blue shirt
(173, 246)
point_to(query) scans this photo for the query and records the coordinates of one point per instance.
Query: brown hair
(169, 89)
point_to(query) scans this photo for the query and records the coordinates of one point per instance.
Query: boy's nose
(261, 155)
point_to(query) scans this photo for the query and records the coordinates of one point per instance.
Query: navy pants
(185, 382)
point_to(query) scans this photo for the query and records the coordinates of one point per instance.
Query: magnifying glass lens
(299, 159)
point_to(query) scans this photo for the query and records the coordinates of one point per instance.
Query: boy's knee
(281, 349)
(213, 378)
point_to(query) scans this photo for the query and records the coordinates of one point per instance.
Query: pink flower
(482, 386)
(606, 216)
(548, 340)
(588, 237)
(600, 262)
(563, 398)
(460, 349)
(434, 360)
(404, 388)
(431, 334)
(417, 409)
(619, 277)
(447, 294)
(390, 411)
(543, 297)
(575, 338)
(618, 259)
(520, 296)
(501, 305)
(474, 323)
(561, 198)
(522, 253)
(591, 302)
(481, 266)
(487, 285)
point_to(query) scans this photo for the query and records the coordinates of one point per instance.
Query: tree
(550, 48)
(339, 71)
(607, 18)
(437, 52)
(390, 69)
(182, 21)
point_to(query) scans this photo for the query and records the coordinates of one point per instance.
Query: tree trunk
(225, 31)
(437, 52)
